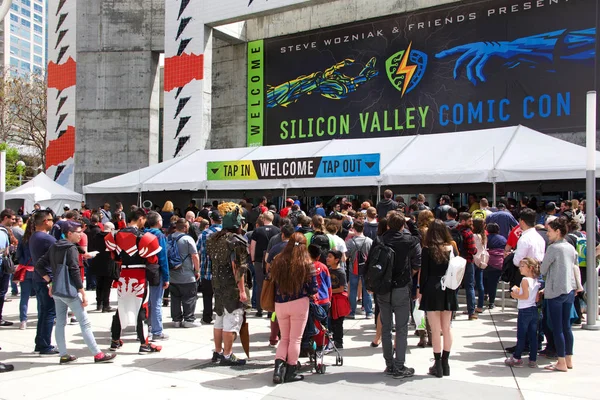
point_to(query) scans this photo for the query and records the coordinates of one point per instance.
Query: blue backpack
(173, 253)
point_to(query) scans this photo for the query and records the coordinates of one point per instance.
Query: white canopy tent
(42, 189)
(495, 155)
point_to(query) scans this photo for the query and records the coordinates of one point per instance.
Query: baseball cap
(290, 201)
(551, 206)
(66, 207)
(215, 216)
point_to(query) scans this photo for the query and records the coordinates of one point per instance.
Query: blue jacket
(163, 260)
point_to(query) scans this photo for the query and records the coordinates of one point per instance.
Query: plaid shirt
(469, 249)
(205, 265)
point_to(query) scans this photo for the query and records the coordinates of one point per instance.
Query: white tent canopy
(505, 154)
(42, 189)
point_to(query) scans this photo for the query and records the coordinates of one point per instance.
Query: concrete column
(117, 94)
(187, 79)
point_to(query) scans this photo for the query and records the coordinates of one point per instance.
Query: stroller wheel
(320, 369)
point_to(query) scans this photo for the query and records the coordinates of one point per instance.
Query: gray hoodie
(557, 269)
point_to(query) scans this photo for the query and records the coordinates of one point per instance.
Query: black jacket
(54, 257)
(408, 255)
(385, 206)
(103, 263)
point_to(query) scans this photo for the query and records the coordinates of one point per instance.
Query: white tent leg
(494, 193)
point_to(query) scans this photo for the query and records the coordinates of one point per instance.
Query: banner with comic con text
(460, 67)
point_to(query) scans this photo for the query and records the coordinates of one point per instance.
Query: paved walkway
(183, 367)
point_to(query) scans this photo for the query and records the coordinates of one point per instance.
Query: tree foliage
(23, 114)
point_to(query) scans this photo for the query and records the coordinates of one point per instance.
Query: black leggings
(142, 319)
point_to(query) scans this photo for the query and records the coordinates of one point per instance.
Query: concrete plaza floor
(183, 368)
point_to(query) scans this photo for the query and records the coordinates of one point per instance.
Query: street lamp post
(20, 168)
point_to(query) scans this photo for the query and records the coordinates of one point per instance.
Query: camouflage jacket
(229, 256)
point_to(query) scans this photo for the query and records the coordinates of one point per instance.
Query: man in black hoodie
(64, 252)
(407, 261)
(386, 205)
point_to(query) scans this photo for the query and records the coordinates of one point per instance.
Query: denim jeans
(14, 289)
(26, 290)
(367, 301)
(560, 316)
(62, 306)
(46, 316)
(155, 299)
(469, 284)
(4, 280)
(527, 324)
(491, 277)
(397, 304)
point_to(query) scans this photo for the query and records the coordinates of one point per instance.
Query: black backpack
(459, 240)
(293, 216)
(321, 240)
(379, 270)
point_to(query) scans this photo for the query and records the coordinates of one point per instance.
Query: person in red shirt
(288, 207)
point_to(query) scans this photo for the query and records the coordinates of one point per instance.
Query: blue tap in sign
(347, 166)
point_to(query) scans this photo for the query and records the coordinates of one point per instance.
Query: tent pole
(590, 215)
(494, 192)
(205, 194)
(2, 178)
(378, 191)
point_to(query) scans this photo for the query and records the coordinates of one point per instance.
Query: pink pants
(292, 318)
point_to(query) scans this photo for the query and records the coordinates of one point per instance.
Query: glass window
(37, 59)
(25, 23)
(37, 49)
(24, 44)
(13, 17)
(26, 3)
(37, 70)
(14, 28)
(38, 8)
(14, 62)
(37, 18)
(25, 65)
(37, 39)
(25, 54)
(14, 7)
(14, 50)
(25, 12)
(37, 28)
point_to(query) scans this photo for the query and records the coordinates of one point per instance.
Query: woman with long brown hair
(439, 304)
(293, 273)
(424, 220)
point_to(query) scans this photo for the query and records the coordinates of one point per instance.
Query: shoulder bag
(267, 295)
(61, 284)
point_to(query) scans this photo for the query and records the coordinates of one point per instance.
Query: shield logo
(405, 69)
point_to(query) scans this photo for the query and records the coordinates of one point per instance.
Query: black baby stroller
(321, 339)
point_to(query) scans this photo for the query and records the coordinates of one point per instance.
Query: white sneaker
(23, 325)
(162, 336)
(177, 324)
(189, 324)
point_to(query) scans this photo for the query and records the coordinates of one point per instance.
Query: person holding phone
(66, 249)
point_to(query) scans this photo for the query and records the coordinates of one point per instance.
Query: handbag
(419, 316)
(61, 284)
(340, 305)
(267, 295)
(8, 265)
(153, 274)
(454, 273)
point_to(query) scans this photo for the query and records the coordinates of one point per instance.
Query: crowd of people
(292, 266)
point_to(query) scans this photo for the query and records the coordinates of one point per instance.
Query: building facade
(242, 73)
(23, 37)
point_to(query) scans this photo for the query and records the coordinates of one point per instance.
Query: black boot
(290, 374)
(436, 368)
(445, 365)
(279, 372)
